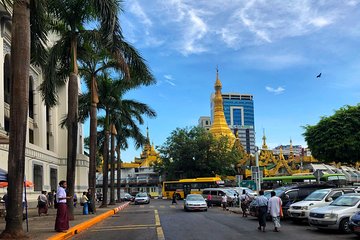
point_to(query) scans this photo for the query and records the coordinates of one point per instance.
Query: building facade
(46, 143)
(204, 122)
(239, 114)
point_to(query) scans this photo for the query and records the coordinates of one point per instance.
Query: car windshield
(317, 195)
(278, 192)
(194, 198)
(141, 195)
(248, 190)
(347, 201)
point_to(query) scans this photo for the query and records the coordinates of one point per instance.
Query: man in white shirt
(275, 210)
(62, 218)
(224, 201)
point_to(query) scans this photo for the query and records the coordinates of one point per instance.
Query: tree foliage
(194, 152)
(337, 137)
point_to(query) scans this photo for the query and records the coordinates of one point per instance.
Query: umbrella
(5, 184)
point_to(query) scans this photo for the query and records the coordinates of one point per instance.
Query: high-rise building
(239, 114)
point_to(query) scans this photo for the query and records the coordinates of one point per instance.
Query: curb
(87, 224)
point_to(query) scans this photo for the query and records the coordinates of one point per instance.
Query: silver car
(142, 197)
(337, 214)
(195, 202)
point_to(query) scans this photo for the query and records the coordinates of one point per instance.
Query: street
(161, 220)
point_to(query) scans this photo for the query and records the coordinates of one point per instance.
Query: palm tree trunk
(112, 168)
(93, 141)
(118, 171)
(106, 162)
(72, 127)
(20, 61)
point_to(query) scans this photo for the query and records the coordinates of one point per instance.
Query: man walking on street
(62, 218)
(262, 207)
(275, 210)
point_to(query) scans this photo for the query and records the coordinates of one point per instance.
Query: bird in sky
(318, 75)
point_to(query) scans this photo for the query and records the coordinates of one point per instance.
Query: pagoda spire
(291, 149)
(219, 126)
(264, 146)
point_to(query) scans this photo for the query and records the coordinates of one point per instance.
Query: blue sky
(271, 49)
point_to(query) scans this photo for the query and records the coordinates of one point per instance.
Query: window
(31, 136)
(7, 78)
(336, 195)
(38, 177)
(31, 97)
(53, 178)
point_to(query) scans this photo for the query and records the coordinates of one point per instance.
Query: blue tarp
(3, 175)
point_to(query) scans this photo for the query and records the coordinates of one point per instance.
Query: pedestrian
(262, 206)
(75, 199)
(84, 202)
(245, 202)
(50, 198)
(208, 200)
(224, 201)
(275, 210)
(90, 201)
(62, 217)
(42, 203)
(174, 198)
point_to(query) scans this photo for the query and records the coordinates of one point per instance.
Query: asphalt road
(161, 220)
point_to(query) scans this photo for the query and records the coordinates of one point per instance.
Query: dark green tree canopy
(336, 138)
(194, 152)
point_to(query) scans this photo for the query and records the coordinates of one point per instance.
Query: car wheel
(344, 226)
(205, 209)
(185, 209)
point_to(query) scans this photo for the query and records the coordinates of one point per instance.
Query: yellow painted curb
(85, 225)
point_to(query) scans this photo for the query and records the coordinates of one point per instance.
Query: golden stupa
(219, 126)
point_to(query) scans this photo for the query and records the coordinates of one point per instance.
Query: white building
(46, 143)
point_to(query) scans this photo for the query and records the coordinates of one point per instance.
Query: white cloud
(168, 77)
(192, 27)
(276, 91)
(137, 10)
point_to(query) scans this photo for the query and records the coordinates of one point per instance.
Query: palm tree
(28, 34)
(110, 100)
(69, 21)
(94, 61)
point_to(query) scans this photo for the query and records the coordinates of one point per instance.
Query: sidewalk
(43, 227)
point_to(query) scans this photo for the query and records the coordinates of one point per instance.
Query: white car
(337, 214)
(195, 202)
(247, 190)
(323, 197)
(142, 198)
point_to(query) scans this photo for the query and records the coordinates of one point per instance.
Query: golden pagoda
(148, 155)
(219, 126)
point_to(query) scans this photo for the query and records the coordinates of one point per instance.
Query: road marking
(172, 206)
(162, 206)
(122, 229)
(159, 230)
(152, 206)
(142, 206)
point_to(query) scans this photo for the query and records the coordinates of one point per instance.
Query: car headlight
(305, 208)
(330, 215)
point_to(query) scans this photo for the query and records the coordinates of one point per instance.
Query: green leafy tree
(194, 152)
(337, 137)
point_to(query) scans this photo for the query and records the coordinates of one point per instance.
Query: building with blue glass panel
(239, 114)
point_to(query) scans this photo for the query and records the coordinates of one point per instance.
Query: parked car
(290, 195)
(195, 202)
(127, 197)
(354, 223)
(142, 197)
(217, 193)
(337, 214)
(250, 192)
(300, 210)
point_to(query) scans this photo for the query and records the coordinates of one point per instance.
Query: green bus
(336, 179)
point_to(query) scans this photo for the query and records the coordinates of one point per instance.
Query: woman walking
(42, 203)
(84, 202)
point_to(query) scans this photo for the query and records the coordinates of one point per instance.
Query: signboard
(249, 184)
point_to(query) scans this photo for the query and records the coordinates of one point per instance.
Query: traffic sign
(318, 174)
(249, 184)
